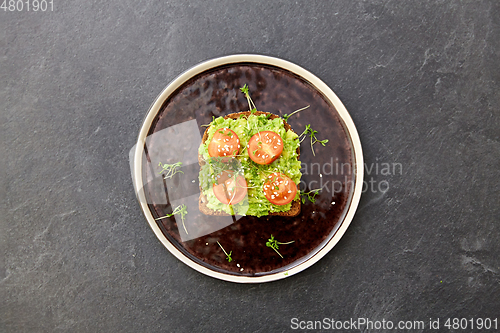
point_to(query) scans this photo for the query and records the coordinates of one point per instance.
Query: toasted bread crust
(296, 204)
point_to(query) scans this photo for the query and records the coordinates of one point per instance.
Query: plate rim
(265, 60)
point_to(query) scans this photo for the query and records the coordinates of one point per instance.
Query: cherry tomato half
(279, 189)
(229, 190)
(265, 147)
(224, 143)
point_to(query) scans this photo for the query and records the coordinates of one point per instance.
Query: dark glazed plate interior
(215, 92)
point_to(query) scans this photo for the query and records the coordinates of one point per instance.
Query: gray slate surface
(420, 79)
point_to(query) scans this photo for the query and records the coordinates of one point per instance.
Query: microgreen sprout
(182, 210)
(228, 256)
(274, 244)
(311, 195)
(170, 169)
(207, 125)
(229, 133)
(312, 133)
(286, 116)
(251, 104)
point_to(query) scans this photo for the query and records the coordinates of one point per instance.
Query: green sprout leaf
(170, 169)
(311, 195)
(286, 116)
(244, 89)
(274, 244)
(251, 105)
(207, 125)
(312, 133)
(228, 255)
(182, 210)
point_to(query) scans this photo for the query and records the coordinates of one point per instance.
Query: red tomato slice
(228, 190)
(279, 189)
(265, 147)
(224, 143)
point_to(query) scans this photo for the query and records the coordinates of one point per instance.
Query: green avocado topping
(256, 204)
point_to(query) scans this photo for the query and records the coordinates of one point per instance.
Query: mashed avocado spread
(256, 204)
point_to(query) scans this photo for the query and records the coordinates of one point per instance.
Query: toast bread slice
(296, 204)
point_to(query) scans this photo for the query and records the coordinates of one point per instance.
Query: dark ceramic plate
(172, 132)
